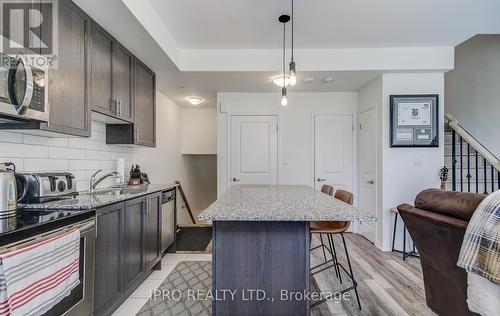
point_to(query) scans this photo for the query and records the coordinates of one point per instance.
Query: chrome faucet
(94, 182)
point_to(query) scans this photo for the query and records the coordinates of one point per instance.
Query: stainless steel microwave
(23, 88)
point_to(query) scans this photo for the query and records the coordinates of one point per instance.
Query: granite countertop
(101, 197)
(281, 203)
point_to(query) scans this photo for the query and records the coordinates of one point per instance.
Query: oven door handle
(28, 95)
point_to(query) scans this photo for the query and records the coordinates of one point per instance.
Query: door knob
(321, 180)
(236, 180)
(370, 182)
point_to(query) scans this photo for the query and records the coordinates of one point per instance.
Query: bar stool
(412, 253)
(327, 189)
(331, 228)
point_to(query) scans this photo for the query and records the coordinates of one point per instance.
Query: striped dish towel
(480, 253)
(35, 278)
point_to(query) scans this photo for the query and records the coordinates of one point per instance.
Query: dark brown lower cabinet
(108, 258)
(153, 230)
(133, 242)
(128, 247)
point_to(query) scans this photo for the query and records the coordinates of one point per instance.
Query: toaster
(43, 187)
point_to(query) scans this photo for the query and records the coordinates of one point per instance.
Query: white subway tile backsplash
(98, 155)
(84, 164)
(31, 165)
(23, 151)
(46, 141)
(85, 143)
(80, 175)
(11, 137)
(81, 156)
(98, 127)
(99, 137)
(111, 165)
(66, 153)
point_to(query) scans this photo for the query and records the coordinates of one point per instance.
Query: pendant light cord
(284, 54)
(292, 29)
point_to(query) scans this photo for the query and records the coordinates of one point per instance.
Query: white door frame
(228, 145)
(377, 182)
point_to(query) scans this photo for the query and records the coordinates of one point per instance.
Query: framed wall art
(414, 120)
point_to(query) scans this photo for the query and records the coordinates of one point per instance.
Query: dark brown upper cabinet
(145, 105)
(143, 131)
(111, 76)
(122, 63)
(69, 81)
(102, 44)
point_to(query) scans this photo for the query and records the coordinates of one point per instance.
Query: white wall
(81, 156)
(407, 171)
(199, 131)
(401, 172)
(295, 121)
(472, 89)
(165, 163)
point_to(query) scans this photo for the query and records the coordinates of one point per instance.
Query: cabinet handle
(119, 107)
(146, 203)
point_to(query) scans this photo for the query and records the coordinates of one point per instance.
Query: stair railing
(183, 195)
(489, 171)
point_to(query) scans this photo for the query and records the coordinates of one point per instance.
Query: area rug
(184, 291)
(193, 238)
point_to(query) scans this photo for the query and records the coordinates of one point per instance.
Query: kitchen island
(261, 246)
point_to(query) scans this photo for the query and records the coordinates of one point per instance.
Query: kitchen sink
(116, 190)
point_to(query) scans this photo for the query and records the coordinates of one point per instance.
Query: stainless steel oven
(23, 88)
(80, 301)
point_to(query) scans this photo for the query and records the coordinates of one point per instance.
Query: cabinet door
(144, 105)
(108, 257)
(152, 230)
(122, 82)
(69, 81)
(101, 70)
(133, 241)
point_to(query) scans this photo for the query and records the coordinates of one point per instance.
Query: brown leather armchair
(437, 225)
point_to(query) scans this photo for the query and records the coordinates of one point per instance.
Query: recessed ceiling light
(278, 80)
(195, 100)
(328, 80)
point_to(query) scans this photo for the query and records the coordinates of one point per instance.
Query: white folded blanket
(483, 296)
(35, 278)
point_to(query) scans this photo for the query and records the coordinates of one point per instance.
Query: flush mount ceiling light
(195, 100)
(278, 80)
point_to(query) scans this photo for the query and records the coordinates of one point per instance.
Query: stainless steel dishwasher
(168, 219)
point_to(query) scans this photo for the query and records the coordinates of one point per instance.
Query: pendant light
(293, 78)
(284, 19)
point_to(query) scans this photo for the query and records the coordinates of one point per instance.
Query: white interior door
(367, 170)
(254, 150)
(333, 152)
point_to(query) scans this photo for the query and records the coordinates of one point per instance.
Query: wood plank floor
(387, 285)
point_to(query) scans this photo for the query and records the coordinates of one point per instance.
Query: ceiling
(237, 24)
(208, 83)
